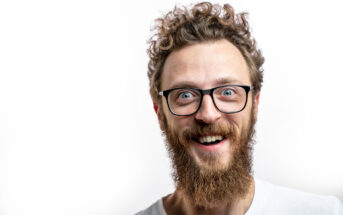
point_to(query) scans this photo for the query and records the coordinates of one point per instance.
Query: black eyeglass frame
(247, 89)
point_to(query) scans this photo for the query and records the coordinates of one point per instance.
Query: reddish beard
(206, 188)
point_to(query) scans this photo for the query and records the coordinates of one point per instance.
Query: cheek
(179, 123)
(241, 119)
(235, 119)
(176, 123)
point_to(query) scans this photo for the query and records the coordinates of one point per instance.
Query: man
(205, 79)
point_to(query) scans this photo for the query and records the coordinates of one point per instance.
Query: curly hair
(203, 22)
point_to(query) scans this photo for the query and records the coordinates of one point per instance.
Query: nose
(207, 113)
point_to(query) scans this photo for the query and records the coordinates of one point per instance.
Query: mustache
(227, 130)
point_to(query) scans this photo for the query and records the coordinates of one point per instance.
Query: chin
(212, 161)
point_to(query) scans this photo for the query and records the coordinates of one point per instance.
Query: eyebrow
(224, 81)
(184, 84)
(192, 84)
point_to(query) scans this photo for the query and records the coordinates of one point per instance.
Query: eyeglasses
(187, 101)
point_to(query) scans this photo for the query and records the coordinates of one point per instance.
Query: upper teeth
(210, 138)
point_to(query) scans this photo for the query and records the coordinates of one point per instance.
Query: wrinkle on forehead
(194, 84)
(205, 63)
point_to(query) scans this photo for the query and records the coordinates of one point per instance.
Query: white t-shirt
(270, 199)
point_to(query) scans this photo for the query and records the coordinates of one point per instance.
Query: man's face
(208, 65)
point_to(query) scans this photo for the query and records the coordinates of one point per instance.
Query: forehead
(205, 65)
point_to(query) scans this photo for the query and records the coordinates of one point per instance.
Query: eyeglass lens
(187, 101)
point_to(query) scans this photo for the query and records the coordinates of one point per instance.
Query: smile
(210, 140)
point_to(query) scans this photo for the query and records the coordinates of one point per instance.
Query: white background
(78, 134)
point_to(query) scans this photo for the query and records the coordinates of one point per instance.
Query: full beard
(207, 187)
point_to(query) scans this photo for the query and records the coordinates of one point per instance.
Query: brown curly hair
(203, 22)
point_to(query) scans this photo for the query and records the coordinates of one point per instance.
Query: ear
(156, 108)
(256, 103)
(159, 114)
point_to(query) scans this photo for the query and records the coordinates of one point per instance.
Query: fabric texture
(270, 199)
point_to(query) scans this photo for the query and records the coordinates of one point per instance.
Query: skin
(206, 65)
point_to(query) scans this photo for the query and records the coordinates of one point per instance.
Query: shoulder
(274, 199)
(154, 209)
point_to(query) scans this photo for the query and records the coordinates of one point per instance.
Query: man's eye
(228, 92)
(185, 95)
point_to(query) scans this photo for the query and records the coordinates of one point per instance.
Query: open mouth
(209, 140)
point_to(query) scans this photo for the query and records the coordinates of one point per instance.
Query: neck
(178, 203)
